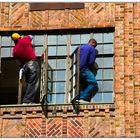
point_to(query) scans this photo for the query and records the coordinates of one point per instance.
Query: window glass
(99, 74)
(107, 85)
(56, 98)
(52, 39)
(61, 63)
(99, 61)
(61, 50)
(85, 38)
(60, 75)
(108, 37)
(52, 51)
(5, 52)
(108, 48)
(108, 62)
(62, 39)
(75, 39)
(39, 51)
(60, 87)
(100, 49)
(100, 85)
(52, 63)
(108, 74)
(38, 40)
(6, 41)
(108, 97)
(97, 97)
(98, 37)
(73, 48)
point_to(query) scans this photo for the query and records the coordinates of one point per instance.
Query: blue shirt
(87, 56)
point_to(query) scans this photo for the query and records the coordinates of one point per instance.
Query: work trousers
(31, 72)
(89, 84)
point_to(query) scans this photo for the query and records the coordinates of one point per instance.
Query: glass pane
(52, 63)
(60, 87)
(5, 52)
(52, 39)
(108, 74)
(38, 40)
(108, 37)
(50, 98)
(75, 39)
(52, 51)
(6, 41)
(108, 48)
(61, 63)
(100, 86)
(108, 62)
(60, 98)
(108, 97)
(73, 48)
(56, 98)
(39, 51)
(61, 50)
(100, 49)
(50, 86)
(62, 39)
(98, 37)
(97, 97)
(85, 38)
(99, 74)
(99, 61)
(50, 75)
(107, 85)
(60, 75)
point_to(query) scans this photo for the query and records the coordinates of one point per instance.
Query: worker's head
(15, 37)
(92, 42)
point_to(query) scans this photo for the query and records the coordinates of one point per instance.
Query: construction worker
(25, 56)
(87, 59)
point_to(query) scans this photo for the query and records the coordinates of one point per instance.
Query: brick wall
(29, 121)
(125, 17)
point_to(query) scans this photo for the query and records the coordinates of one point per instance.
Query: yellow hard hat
(15, 36)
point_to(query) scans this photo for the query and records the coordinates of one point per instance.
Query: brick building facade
(120, 119)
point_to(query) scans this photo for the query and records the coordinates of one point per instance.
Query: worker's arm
(92, 57)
